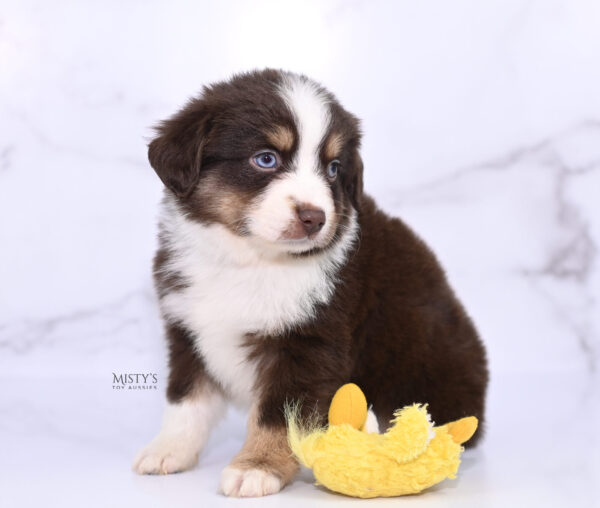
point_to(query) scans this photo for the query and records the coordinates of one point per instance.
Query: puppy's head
(270, 155)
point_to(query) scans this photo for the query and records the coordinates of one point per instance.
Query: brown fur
(333, 146)
(282, 138)
(224, 206)
(165, 281)
(266, 448)
(187, 371)
(393, 325)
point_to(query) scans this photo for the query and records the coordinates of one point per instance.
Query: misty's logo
(127, 381)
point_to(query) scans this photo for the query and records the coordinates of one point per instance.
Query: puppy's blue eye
(333, 169)
(265, 160)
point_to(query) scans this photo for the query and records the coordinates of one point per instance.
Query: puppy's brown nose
(312, 219)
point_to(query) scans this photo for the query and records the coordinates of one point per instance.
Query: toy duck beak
(348, 405)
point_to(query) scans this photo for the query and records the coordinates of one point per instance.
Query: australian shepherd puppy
(280, 280)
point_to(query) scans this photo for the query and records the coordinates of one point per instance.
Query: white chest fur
(234, 289)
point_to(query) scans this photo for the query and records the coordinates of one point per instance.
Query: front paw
(165, 455)
(236, 482)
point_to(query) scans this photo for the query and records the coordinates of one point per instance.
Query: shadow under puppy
(279, 279)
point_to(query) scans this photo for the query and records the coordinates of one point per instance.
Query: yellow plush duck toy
(410, 457)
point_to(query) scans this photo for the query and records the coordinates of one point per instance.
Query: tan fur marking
(231, 207)
(333, 146)
(282, 138)
(266, 449)
(223, 205)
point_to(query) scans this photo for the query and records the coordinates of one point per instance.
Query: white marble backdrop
(482, 131)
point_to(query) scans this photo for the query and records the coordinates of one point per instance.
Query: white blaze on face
(275, 209)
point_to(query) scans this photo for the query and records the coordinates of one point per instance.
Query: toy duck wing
(409, 435)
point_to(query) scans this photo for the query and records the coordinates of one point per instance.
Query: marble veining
(568, 267)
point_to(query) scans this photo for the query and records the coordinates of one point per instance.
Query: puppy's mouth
(300, 243)
(298, 236)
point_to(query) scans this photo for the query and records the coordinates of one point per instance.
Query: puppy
(280, 280)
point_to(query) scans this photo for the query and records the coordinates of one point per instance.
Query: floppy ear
(176, 154)
(355, 186)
